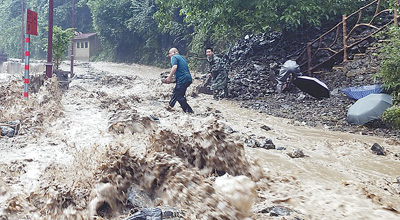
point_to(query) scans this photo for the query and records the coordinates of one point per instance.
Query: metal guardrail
(324, 52)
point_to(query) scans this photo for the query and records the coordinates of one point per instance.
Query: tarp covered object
(312, 86)
(369, 108)
(362, 91)
(288, 68)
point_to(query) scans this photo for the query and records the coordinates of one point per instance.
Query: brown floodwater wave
(179, 170)
(198, 164)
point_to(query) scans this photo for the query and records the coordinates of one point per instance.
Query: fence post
(344, 39)
(378, 5)
(309, 58)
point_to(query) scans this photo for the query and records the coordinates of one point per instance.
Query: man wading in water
(183, 80)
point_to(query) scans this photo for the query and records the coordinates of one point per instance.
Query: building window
(77, 44)
(86, 44)
(82, 45)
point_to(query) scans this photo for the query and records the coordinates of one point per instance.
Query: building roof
(80, 36)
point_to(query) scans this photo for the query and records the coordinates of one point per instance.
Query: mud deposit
(107, 148)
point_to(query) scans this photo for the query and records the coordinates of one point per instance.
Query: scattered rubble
(254, 63)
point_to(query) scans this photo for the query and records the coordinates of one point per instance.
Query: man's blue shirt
(182, 73)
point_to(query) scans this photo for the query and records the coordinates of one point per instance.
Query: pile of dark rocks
(253, 63)
(10, 129)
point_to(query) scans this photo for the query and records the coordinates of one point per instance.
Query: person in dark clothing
(183, 78)
(219, 81)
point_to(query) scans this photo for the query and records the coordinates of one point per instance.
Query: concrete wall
(12, 67)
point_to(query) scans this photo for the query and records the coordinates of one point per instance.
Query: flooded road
(86, 147)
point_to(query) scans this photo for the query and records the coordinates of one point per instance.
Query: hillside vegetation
(141, 31)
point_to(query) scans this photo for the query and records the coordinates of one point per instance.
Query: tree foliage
(389, 72)
(109, 19)
(10, 33)
(390, 61)
(152, 43)
(142, 30)
(220, 21)
(391, 116)
(61, 41)
(11, 37)
(128, 30)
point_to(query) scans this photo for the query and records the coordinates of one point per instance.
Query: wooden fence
(334, 45)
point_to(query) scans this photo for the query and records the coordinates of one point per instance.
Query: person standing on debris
(183, 78)
(219, 82)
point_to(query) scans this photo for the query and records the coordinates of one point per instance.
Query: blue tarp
(362, 91)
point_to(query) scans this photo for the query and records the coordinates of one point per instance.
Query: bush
(390, 64)
(61, 40)
(391, 116)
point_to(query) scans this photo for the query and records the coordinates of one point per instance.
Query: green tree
(63, 15)
(390, 61)
(61, 41)
(221, 22)
(109, 21)
(129, 32)
(151, 43)
(391, 116)
(11, 23)
(128, 29)
(10, 28)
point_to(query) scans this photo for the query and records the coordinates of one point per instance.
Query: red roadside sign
(31, 22)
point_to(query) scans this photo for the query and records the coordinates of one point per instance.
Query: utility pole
(72, 40)
(23, 30)
(49, 64)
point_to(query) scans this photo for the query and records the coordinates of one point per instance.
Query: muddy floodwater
(80, 151)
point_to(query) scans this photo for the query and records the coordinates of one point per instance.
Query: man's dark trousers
(179, 96)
